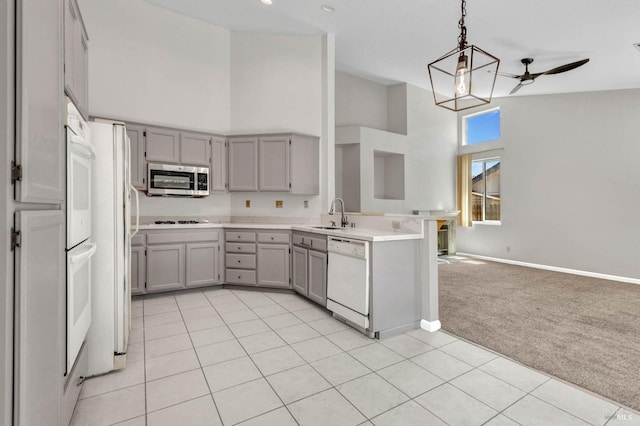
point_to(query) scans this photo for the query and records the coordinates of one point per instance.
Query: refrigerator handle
(135, 191)
(131, 188)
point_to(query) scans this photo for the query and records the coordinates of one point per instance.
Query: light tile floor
(226, 357)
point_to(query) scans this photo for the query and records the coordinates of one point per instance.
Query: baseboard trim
(430, 325)
(555, 268)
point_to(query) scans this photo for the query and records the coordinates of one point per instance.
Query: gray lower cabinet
(273, 265)
(265, 264)
(138, 270)
(175, 259)
(317, 286)
(309, 258)
(202, 264)
(299, 257)
(165, 267)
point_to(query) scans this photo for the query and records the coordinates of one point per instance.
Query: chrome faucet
(343, 219)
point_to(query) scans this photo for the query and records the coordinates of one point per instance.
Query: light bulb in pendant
(462, 76)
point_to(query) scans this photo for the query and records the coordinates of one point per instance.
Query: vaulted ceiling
(392, 41)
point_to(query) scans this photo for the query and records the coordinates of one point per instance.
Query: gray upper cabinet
(76, 57)
(40, 150)
(165, 267)
(202, 264)
(274, 164)
(195, 149)
(138, 169)
(273, 265)
(218, 164)
(162, 145)
(243, 164)
(317, 286)
(40, 316)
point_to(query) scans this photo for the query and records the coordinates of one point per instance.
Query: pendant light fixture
(463, 77)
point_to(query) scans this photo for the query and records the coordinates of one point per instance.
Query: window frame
(463, 148)
(486, 157)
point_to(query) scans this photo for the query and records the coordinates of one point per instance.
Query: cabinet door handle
(272, 238)
(239, 261)
(239, 248)
(238, 276)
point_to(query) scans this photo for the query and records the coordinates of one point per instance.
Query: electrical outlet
(508, 249)
(278, 204)
(306, 204)
(247, 203)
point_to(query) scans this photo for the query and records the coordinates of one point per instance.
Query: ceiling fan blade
(504, 74)
(567, 67)
(515, 89)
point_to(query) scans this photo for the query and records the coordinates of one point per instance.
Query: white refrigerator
(108, 335)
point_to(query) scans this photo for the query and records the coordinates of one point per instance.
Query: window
(480, 149)
(485, 190)
(481, 127)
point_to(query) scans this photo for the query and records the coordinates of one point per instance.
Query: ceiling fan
(528, 78)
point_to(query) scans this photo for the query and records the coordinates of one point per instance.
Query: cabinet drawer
(240, 276)
(240, 236)
(182, 237)
(319, 244)
(138, 240)
(242, 261)
(232, 247)
(272, 237)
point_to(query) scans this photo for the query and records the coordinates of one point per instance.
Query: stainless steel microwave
(171, 179)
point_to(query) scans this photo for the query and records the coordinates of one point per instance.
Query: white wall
(151, 65)
(570, 184)
(360, 102)
(429, 145)
(277, 85)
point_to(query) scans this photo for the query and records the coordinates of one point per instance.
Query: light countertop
(366, 234)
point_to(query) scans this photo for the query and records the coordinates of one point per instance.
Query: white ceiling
(392, 41)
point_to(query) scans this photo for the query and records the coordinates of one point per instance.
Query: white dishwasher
(348, 279)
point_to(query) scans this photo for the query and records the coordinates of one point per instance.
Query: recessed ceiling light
(266, 2)
(327, 8)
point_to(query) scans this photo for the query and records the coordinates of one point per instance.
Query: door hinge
(226, 185)
(289, 141)
(16, 172)
(218, 248)
(144, 133)
(289, 250)
(145, 284)
(16, 239)
(145, 252)
(289, 185)
(289, 280)
(145, 154)
(218, 277)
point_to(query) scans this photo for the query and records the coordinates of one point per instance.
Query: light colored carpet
(583, 330)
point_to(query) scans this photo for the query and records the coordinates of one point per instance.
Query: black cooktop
(173, 222)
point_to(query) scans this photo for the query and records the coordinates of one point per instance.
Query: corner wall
(151, 65)
(277, 86)
(570, 184)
